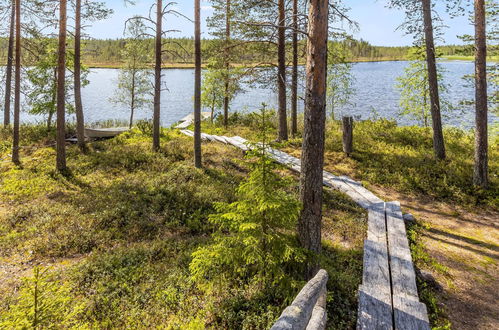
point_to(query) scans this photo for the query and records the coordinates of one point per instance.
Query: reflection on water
(375, 94)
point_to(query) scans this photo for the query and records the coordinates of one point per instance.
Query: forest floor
(454, 240)
(114, 238)
(120, 230)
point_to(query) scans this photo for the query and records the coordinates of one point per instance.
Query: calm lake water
(375, 95)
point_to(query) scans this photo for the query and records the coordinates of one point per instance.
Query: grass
(399, 157)
(116, 236)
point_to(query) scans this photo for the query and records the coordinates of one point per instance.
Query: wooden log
(347, 135)
(299, 313)
(318, 320)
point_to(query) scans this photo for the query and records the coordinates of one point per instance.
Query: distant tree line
(109, 51)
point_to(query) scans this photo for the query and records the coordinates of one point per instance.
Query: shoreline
(190, 65)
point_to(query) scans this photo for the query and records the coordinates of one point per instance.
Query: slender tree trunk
(61, 90)
(312, 157)
(10, 54)
(80, 119)
(294, 75)
(132, 103)
(438, 137)
(197, 84)
(281, 72)
(17, 86)
(227, 62)
(480, 175)
(157, 76)
(54, 99)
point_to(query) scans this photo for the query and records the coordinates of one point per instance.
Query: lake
(375, 95)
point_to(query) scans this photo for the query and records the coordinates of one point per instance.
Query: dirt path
(467, 245)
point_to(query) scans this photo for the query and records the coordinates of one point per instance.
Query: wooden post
(348, 135)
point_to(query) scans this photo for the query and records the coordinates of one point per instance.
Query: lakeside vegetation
(108, 53)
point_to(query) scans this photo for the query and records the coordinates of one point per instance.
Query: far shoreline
(188, 65)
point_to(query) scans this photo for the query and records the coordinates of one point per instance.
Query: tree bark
(197, 85)
(281, 72)
(480, 175)
(294, 75)
(17, 86)
(312, 158)
(157, 76)
(80, 120)
(227, 62)
(61, 90)
(347, 135)
(438, 138)
(10, 54)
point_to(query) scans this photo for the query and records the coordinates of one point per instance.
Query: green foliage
(42, 77)
(213, 88)
(135, 77)
(252, 243)
(339, 78)
(415, 92)
(43, 303)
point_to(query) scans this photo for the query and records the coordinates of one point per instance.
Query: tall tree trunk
(281, 72)
(438, 137)
(61, 90)
(227, 62)
(10, 54)
(157, 76)
(197, 85)
(294, 75)
(480, 175)
(17, 86)
(80, 120)
(312, 157)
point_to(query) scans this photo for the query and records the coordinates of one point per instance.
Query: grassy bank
(109, 246)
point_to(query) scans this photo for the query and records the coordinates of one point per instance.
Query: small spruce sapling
(253, 241)
(43, 302)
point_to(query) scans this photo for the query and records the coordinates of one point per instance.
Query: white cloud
(207, 8)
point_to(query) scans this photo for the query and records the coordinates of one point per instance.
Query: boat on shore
(96, 133)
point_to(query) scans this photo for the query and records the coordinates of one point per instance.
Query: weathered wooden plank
(357, 186)
(298, 314)
(375, 311)
(376, 224)
(376, 273)
(409, 314)
(402, 269)
(187, 132)
(219, 138)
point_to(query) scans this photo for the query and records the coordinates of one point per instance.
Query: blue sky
(377, 23)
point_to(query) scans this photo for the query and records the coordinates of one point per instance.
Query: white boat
(104, 132)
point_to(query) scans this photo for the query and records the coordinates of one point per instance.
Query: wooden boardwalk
(388, 296)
